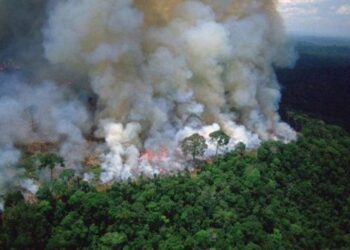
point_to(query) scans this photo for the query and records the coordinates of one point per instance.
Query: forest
(276, 196)
(280, 196)
(319, 83)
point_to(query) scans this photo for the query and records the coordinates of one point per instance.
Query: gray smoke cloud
(159, 70)
(155, 65)
(38, 113)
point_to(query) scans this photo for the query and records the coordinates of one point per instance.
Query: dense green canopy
(282, 196)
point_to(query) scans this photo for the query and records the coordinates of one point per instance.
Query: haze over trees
(111, 86)
(50, 161)
(220, 138)
(280, 196)
(319, 83)
(194, 146)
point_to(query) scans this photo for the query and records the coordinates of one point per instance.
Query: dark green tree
(50, 161)
(194, 145)
(240, 148)
(220, 138)
(281, 196)
(113, 240)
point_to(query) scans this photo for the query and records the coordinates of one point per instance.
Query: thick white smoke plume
(37, 113)
(160, 70)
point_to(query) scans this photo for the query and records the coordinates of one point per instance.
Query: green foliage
(28, 162)
(13, 198)
(283, 196)
(194, 145)
(113, 240)
(50, 160)
(220, 138)
(67, 174)
(95, 171)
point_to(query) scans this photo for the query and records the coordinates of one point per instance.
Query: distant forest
(279, 196)
(319, 85)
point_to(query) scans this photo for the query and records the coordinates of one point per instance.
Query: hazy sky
(317, 17)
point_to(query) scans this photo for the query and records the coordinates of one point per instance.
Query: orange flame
(152, 156)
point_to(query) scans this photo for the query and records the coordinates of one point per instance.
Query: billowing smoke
(38, 113)
(160, 70)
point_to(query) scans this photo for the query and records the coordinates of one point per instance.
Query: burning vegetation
(154, 124)
(143, 77)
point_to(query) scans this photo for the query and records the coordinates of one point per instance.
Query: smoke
(20, 33)
(30, 186)
(156, 65)
(160, 70)
(38, 113)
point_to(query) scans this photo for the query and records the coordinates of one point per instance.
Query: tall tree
(220, 138)
(50, 160)
(194, 145)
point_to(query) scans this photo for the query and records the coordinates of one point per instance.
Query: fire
(153, 156)
(155, 159)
